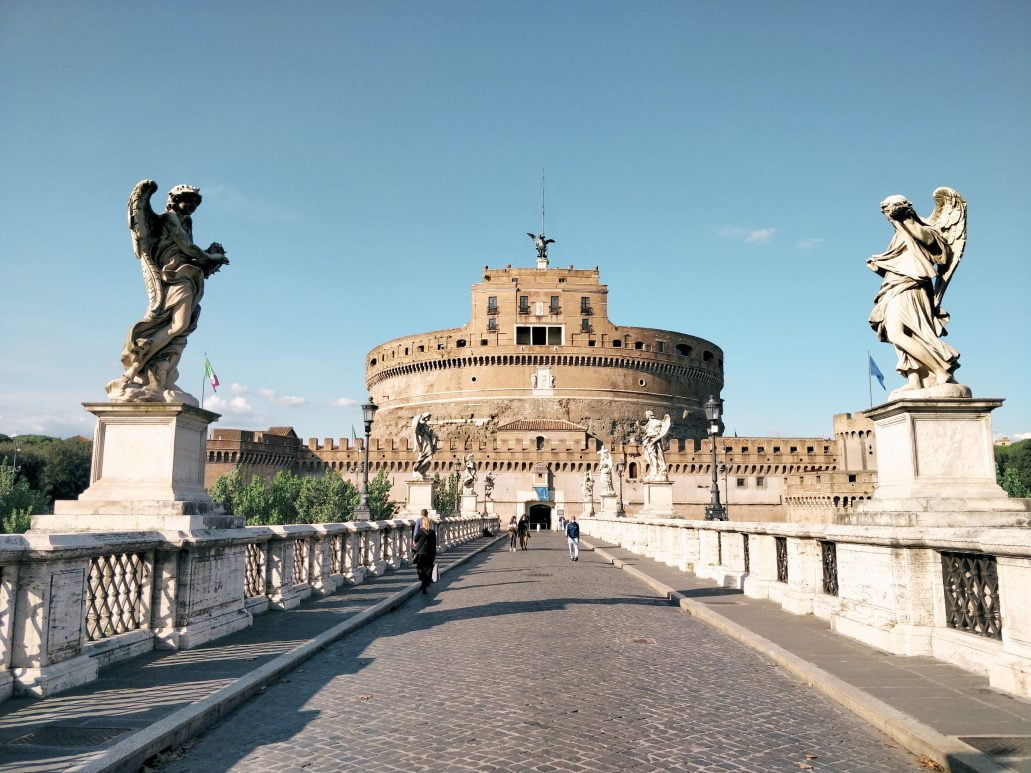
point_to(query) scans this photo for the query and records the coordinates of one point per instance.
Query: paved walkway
(131, 699)
(527, 661)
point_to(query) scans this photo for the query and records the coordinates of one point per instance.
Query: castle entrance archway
(540, 517)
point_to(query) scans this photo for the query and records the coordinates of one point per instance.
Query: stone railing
(962, 595)
(70, 603)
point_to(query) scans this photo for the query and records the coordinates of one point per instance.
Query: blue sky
(362, 161)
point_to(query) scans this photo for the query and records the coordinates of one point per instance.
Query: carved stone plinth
(658, 499)
(936, 467)
(420, 497)
(609, 505)
(469, 506)
(147, 473)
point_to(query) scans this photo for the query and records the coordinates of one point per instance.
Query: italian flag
(209, 372)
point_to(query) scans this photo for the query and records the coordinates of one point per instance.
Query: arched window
(540, 442)
(631, 471)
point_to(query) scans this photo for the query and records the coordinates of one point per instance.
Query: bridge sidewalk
(159, 699)
(931, 708)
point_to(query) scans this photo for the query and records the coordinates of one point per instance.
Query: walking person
(512, 534)
(425, 551)
(523, 527)
(573, 538)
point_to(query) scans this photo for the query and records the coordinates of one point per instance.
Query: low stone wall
(961, 595)
(70, 603)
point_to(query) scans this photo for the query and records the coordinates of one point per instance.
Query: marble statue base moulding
(936, 467)
(469, 506)
(420, 497)
(147, 473)
(658, 499)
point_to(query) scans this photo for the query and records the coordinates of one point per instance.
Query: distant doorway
(540, 517)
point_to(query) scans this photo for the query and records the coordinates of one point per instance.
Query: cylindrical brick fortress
(540, 346)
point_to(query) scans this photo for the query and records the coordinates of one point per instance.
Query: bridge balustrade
(956, 594)
(71, 603)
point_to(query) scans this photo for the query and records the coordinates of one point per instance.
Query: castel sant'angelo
(533, 386)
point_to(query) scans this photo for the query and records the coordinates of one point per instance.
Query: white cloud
(237, 406)
(277, 399)
(808, 244)
(290, 400)
(268, 393)
(748, 235)
(344, 402)
(238, 389)
(56, 424)
(1021, 436)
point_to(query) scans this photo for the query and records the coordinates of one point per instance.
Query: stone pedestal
(147, 473)
(658, 499)
(936, 467)
(488, 508)
(609, 505)
(420, 497)
(469, 506)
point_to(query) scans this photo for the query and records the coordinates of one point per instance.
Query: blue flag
(542, 493)
(876, 372)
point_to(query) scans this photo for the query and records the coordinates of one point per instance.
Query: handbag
(433, 574)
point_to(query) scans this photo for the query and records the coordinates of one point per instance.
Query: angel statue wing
(950, 219)
(145, 226)
(667, 422)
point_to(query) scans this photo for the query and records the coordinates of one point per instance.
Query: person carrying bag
(424, 553)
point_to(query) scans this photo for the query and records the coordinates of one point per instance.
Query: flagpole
(203, 382)
(869, 376)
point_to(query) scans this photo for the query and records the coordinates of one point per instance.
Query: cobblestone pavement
(528, 661)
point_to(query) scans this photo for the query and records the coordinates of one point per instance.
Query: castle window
(741, 483)
(776, 449)
(492, 304)
(808, 449)
(585, 326)
(660, 346)
(638, 345)
(484, 342)
(473, 379)
(440, 346)
(406, 350)
(684, 349)
(554, 308)
(851, 478)
(524, 304)
(372, 361)
(592, 342)
(420, 348)
(631, 471)
(760, 450)
(641, 382)
(539, 335)
(616, 343)
(492, 323)
(760, 482)
(460, 343)
(585, 305)
(707, 356)
(793, 450)
(540, 442)
(744, 449)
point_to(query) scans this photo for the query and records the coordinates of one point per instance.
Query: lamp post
(368, 414)
(620, 467)
(715, 511)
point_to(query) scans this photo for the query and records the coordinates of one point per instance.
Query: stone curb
(950, 753)
(181, 725)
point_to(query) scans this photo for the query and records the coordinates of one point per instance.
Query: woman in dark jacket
(425, 551)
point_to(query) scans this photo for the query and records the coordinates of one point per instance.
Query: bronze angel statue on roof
(541, 243)
(916, 268)
(174, 270)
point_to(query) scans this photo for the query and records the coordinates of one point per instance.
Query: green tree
(380, 506)
(225, 489)
(252, 502)
(445, 494)
(1013, 468)
(17, 501)
(328, 499)
(67, 469)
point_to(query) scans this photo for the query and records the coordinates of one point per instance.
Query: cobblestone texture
(527, 661)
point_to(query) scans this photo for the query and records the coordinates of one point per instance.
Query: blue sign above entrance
(542, 493)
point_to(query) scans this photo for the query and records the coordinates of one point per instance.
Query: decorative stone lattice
(972, 593)
(254, 574)
(300, 561)
(114, 594)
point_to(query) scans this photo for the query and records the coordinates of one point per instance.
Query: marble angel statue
(654, 432)
(605, 472)
(469, 475)
(425, 444)
(916, 268)
(174, 270)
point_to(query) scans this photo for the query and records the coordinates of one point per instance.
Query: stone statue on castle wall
(541, 243)
(488, 485)
(425, 444)
(655, 431)
(605, 472)
(916, 269)
(469, 475)
(588, 487)
(174, 270)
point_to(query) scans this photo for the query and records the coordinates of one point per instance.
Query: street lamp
(715, 511)
(368, 414)
(620, 467)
